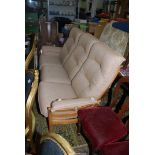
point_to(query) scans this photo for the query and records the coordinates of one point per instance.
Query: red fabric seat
(117, 148)
(101, 126)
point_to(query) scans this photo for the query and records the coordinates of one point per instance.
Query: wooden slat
(68, 121)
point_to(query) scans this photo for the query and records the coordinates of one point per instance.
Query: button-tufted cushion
(101, 126)
(50, 73)
(61, 54)
(117, 148)
(70, 44)
(79, 55)
(98, 71)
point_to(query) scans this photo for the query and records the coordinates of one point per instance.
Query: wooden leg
(91, 150)
(49, 120)
(50, 124)
(78, 128)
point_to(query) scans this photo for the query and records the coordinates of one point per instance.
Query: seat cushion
(101, 126)
(47, 92)
(49, 60)
(117, 148)
(54, 73)
(46, 50)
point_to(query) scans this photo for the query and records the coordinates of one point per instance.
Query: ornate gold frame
(64, 145)
(30, 55)
(29, 116)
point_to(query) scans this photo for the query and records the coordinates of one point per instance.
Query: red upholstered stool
(117, 148)
(101, 126)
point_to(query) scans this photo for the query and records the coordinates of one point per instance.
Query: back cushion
(115, 38)
(98, 71)
(79, 55)
(70, 44)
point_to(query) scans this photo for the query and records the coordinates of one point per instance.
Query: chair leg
(49, 120)
(50, 125)
(78, 128)
(91, 150)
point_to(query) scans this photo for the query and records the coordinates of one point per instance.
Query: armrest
(72, 103)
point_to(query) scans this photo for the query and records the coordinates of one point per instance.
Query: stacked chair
(75, 76)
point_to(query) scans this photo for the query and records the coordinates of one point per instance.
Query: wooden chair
(31, 85)
(103, 125)
(48, 32)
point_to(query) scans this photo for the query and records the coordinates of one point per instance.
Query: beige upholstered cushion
(115, 38)
(98, 72)
(46, 50)
(54, 73)
(79, 55)
(49, 60)
(59, 55)
(47, 92)
(72, 65)
(70, 44)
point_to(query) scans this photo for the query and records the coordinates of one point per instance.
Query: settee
(75, 76)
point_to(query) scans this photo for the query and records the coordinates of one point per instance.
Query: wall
(99, 4)
(83, 4)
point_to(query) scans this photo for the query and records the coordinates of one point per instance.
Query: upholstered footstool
(101, 126)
